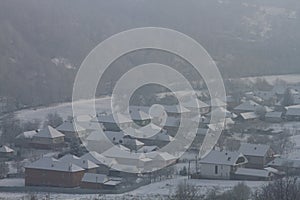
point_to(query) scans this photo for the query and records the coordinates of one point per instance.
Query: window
(216, 169)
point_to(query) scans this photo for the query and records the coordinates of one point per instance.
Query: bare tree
(187, 191)
(284, 189)
(10, 128)
(3, 169)
(53, 120)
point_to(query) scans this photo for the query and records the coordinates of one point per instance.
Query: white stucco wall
(208, 171)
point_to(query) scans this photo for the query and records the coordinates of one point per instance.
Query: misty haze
(150, 99)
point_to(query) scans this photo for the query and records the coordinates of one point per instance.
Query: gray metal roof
(94, 178)
(47, 163)
(247, 106)
(222, 158)
(253, 172)
(49, 132)
(254, 149)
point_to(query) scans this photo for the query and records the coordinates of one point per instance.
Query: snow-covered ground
(295, 154)
(64, 109)
(290, 78)
(12, 182)
(158, 190)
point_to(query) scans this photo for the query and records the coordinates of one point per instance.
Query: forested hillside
(43, 42)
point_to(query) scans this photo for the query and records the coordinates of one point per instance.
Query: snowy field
(290, 78)
(64, 109)
(158, 190)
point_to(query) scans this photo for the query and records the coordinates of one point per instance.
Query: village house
(25, 139)
(176, 111)
(51, 172)
(99, 181)
(248, 116)
(171, 125)
(221, 111)
(258, 155)
(231, 102)
(290, 166)
(6, 152)
(160, 160)
(221, 164)
(99, 141)
(293, 112)
(248, 174)
(125, 157)
(86, 164)
(71, 130)
(274, 117)
(111, 124)
(153, 135)
(196, 106)
(147, 149)
(132, 143)
(48, 138)
(139, 116)
(247, 106)
(104, 163)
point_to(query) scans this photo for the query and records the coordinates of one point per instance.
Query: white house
(247, 106)
(71, 130)
(48, 138)
(293, 112)
(221, 164)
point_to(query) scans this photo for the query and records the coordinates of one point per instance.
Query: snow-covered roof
(94, 178)
(223, 158)
(247, 106)
(161, 136)
(293, 110)
(146, 149)
(83, 118)
(223, 111)
(136, 142)
(98, 158)
(27, 134)
(282, 162)
(254, 149)
(175, 109)
(6, 149)
(253, 172)
(109, 118)
(91, 125)
(126, 168)
(265, 95)
(273, 114)
(69, 126)
(49, 132)
(249, 115)
(98, 135)
(48, 163)
(115, 136)
(192, 103)
(157, 155)
(81, 162)
(116, 152)
(150, 129)
(112, 183)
